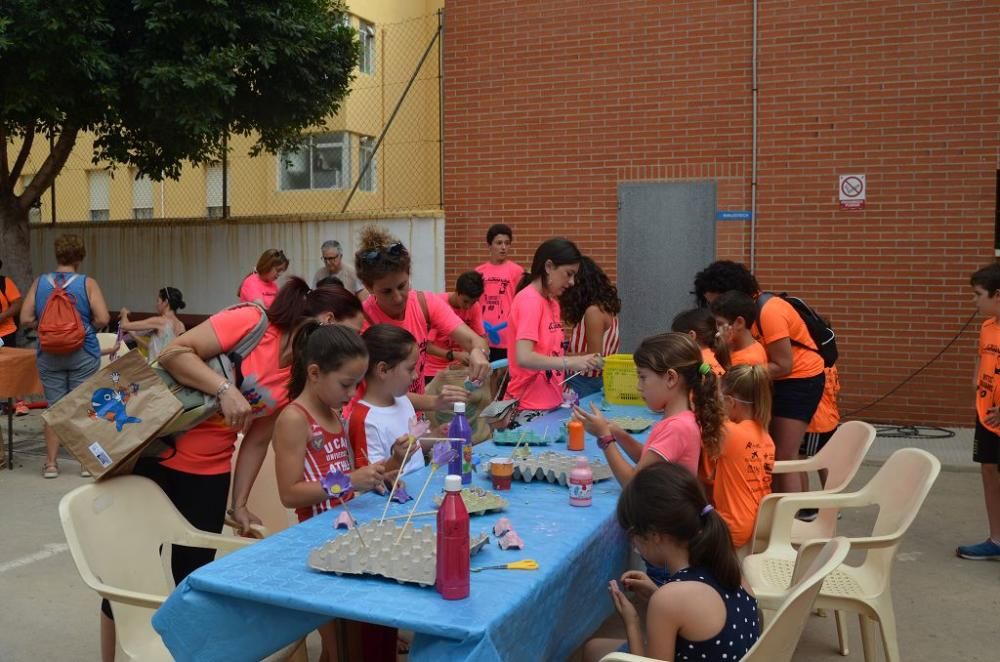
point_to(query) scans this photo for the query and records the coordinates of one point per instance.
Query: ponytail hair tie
(708, 507)
(704, 368)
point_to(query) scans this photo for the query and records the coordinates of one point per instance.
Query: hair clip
(708, 507)
(704, 368)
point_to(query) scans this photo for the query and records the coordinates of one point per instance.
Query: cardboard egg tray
(555, 468)
(633, 423)
(520, 437)
(412, 561)
(477, 501)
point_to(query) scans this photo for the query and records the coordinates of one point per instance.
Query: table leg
(10, 434)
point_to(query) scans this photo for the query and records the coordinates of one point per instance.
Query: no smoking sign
(852, 192)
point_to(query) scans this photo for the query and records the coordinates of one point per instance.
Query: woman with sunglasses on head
(261, 285)
(383, 265)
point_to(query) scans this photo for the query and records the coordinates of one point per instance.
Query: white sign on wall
(852, 192)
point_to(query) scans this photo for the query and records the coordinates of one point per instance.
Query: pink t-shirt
(443, 320)
(535, 318)
(676, 439)
(500, 281)
(473, 318)
(207, 449)
(254, 288)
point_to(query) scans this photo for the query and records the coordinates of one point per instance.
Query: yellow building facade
(405, 173)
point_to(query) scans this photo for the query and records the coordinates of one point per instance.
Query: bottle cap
(581, 461)
(452, 483)
(459, 407)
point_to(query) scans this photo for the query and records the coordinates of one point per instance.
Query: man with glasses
(333, 265)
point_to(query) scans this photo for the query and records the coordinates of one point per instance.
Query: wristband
(450, 355)
(565, 365)
(223, 387)
(605, 440)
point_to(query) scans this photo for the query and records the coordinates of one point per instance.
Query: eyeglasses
(395, 250)
(735, 399)
(331, 259)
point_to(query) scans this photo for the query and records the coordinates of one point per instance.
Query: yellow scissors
(526, 564)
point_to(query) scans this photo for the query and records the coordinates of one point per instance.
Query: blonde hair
(69, 249)
(750, 383)
(678, 352)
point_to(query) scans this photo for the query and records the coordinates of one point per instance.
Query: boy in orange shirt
(986, 446)
(735, 312)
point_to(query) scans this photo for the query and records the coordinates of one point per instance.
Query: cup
(501, 472)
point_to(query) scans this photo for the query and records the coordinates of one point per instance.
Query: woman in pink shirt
(383, 265)
(538, 364)
(261, 286)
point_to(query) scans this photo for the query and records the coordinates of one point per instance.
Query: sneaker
(21, 408)
(807, 514)
(85, 474)
(50, 471)
(984, 551)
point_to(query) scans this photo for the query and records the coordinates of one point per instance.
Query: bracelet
(565, 365)
(605, 440)
(232, 511)
(450, 355)
(223, 387)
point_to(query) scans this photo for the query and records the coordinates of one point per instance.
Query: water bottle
(452, 580)
(581, 483)
(459, 428)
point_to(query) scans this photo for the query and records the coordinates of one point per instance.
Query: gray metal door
(666, 234)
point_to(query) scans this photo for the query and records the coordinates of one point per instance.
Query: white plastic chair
(778, 641)
(841, 457)
(107, 341)
(898, 489)
(114, 530)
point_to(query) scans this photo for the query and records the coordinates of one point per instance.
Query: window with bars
(366, 33)
(99, 185)
(366, 153)
(142, 197)
(322, 162)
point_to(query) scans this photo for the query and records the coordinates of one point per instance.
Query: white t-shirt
(382, 427)
(346, 276)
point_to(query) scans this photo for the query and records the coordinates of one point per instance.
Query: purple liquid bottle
(459, 428)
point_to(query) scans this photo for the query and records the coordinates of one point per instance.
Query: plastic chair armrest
(226, 544)
(256, 531)
(794, 466)
(764, 523)
(808, 551)
(135, 598)
(624, 657)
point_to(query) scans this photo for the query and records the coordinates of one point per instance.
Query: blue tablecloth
(252, 602)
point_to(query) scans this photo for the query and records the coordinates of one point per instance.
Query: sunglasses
(395, 250)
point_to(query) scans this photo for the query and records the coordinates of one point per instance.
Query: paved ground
(947, 608)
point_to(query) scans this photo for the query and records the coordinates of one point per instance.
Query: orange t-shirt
(779, 320)
(827, 414)
(989, 365)
(708, 356)
(743, 477)
(752, 354)
(7, 297)
(207, 448)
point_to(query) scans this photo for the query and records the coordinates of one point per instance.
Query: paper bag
(479, 397)
(107, 420)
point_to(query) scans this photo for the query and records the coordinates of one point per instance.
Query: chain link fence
(380, 154)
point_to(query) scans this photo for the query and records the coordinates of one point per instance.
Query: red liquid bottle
(452, 542)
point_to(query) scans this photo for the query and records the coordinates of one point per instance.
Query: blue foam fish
(110, 405)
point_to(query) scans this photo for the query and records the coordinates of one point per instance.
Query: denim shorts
(61, 373)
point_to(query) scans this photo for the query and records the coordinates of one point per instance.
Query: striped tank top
(325, 450)
(609, 345)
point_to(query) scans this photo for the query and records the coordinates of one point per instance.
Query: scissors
(526, 564)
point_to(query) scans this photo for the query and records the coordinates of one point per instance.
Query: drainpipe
(753, 147)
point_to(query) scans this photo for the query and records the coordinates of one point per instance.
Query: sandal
(50, 470)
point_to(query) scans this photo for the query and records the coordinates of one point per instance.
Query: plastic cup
(501, 472)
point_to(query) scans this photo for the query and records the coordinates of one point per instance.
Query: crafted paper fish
(109, 404)
(493, 332)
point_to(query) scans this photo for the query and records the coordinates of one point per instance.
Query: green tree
(158, 83)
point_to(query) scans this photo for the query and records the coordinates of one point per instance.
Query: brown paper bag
(107, 420)
(455, 375)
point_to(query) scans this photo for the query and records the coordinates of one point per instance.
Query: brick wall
(549, 105)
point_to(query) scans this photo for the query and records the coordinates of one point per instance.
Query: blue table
(252, 602)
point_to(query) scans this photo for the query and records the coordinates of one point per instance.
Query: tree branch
(22, 156)
(4, 169)
(51, 167)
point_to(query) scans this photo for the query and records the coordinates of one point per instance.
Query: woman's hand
(242, 516)
(624, 606)
(593, 421)
(479, 365)
(370, 478)
(462, 357)
(449, 395)
(124, 313)
(235, 409)
(640, 584)
(583, 363)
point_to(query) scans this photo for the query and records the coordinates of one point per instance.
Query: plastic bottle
(574, 435)
(581, 483)
(459, 428)
(452, 580)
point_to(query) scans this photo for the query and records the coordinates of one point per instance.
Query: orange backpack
(60, 328)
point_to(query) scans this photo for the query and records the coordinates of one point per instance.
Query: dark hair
(295, 302)
(591, 287)
(329, 346)
(379, 255)
(470, 284)
(676, 351)
(667, 499)
(752, 384)
(722, 276)
(732, 304)
(498, 228)
(329, 280)
(69, 249)
(987, 277)
(271, 259)
(558, 250)
(173, 297)
(388, 344)
(706, 331)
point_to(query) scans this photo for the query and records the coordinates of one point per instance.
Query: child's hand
(367, 479)
(390, 477)
(401, 448)
(594, 421)
(448, 396)
(624, 606)
(640, 584)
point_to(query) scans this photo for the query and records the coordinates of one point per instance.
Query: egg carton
(413, 560)
(555, 468)
(633, 423)
(519, 437)
(477, 501)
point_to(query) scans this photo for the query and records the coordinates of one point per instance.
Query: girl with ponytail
(703, 611)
